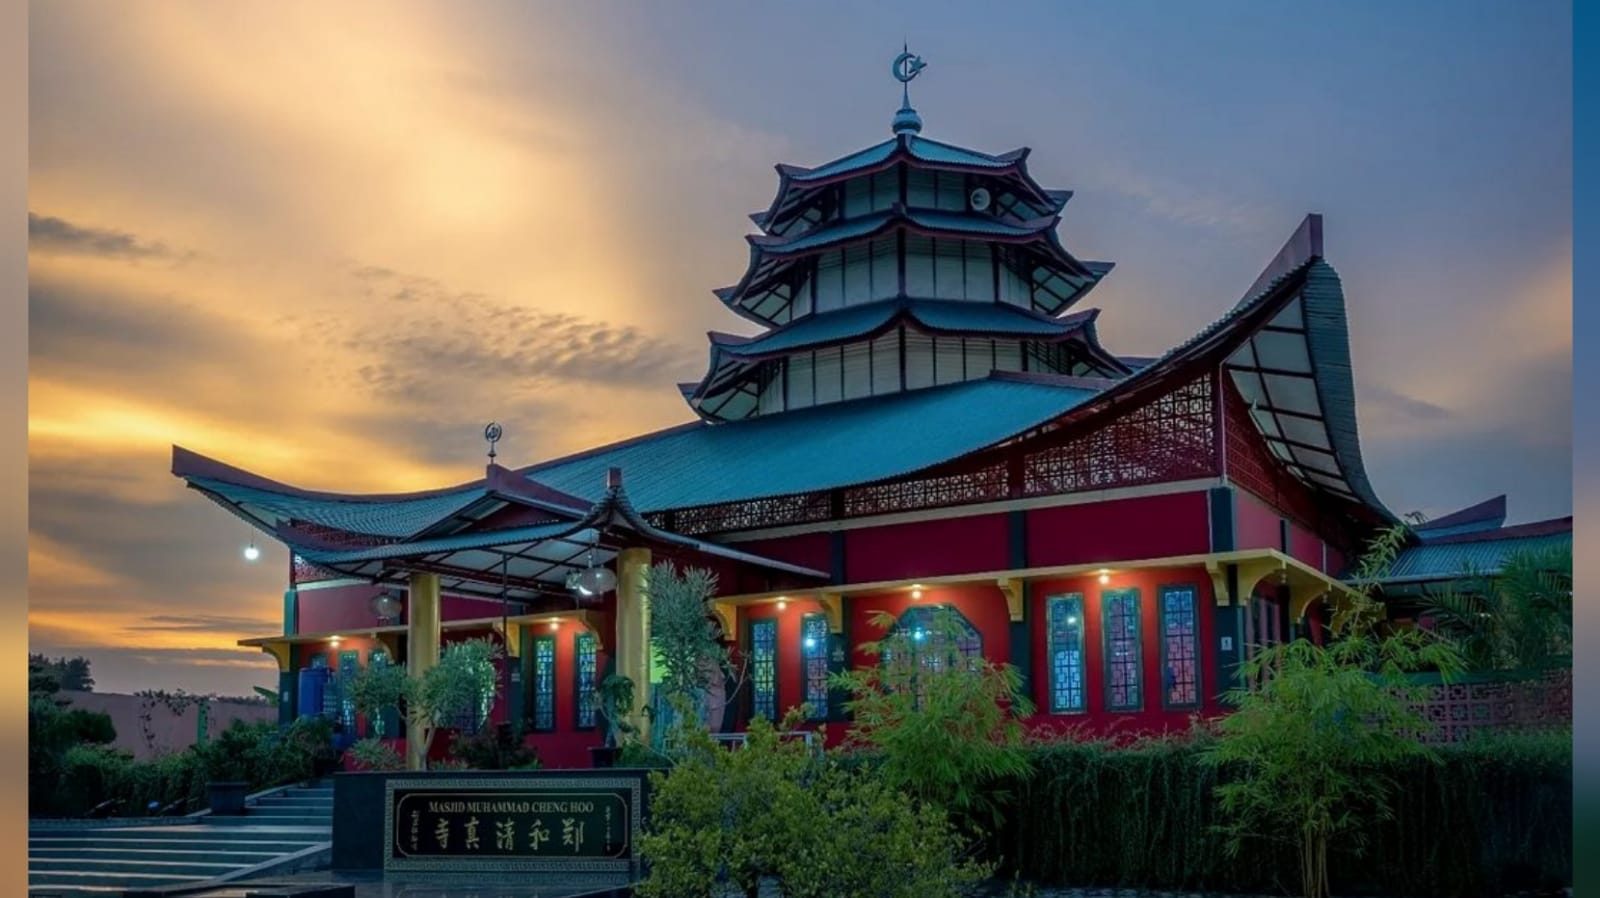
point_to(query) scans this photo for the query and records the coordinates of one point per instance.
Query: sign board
(549, 824)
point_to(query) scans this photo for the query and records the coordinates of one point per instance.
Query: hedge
(1491, 817)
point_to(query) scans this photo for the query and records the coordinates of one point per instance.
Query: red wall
(1123, 529)
(927, 549)
(1305, 546)
(1257, 525)
(1153, 717)
(335, 608)
(791, 685)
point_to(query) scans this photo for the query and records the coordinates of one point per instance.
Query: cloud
(54, 235)
(203, 623)
(1387, 401)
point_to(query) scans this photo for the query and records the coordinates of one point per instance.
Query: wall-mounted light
(333, 641)
(1105, 576)
(916, 592)
(782, 604)
(555, 624)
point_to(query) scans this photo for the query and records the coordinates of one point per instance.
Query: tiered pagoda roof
(909, 236)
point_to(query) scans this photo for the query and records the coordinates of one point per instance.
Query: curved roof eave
(795, 181)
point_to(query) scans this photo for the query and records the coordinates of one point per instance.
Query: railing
(1511, 701)
(739, 740)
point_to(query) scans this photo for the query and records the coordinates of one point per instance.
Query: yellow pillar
(422, 650)
(633, 629)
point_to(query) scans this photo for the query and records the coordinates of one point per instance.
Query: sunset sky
(328, 242)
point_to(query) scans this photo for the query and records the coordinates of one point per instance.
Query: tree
(686, 639)
(1518, 620)
(379, 688)
(455, 692)
(1302, 756)
(944, 727)
(71, 674)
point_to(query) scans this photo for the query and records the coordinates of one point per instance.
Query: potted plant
(614, 700)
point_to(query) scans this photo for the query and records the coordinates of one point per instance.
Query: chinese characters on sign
(586, 825)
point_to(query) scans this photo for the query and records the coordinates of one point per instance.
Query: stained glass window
(940, 634)
(1065, 613)
(814, 652)
(544, 683)
(1120, 621)
(583, 652)
(349, 666)
(764, 669)
(1180, 647)
(379, 726)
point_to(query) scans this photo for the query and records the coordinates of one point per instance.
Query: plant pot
(604, 755)
(227, 798)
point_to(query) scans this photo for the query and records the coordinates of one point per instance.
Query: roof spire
(906, 66)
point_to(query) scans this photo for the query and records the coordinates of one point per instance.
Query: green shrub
(375, 754)
(775, 810)
(1489, 817)
(491, 750)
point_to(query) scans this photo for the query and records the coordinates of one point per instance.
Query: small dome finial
(906, 66)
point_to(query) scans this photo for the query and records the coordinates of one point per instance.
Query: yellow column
(422, 650)
(633, 629)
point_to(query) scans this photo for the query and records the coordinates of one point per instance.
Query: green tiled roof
(377, 517)
(820, 448)
(1447, 560)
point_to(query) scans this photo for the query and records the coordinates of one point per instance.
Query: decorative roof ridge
(1548, 527)
(1487, 510)
(190, 465)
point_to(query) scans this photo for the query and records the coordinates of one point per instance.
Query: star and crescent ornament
(907, 65)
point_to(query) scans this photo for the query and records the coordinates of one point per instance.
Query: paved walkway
(441, 885)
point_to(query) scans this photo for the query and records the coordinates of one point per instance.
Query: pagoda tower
(906, 265)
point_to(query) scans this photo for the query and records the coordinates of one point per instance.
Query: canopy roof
(384, 538)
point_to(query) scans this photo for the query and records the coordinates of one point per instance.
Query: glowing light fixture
(555, 624)
(251, 553)
(333, 641)
(1072, 618)
(916, 591)
(592, 582)
(919, 635)
(1105, 576)
(782, 604)
(811, 642)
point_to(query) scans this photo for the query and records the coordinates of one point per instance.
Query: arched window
(939, 635)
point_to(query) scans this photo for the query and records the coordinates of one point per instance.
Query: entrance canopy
(504, 536)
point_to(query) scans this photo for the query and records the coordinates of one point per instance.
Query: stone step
(78, 879)
(310, 806)
(291, 812)
(245, 830)
(204, 854)
(131, 864)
